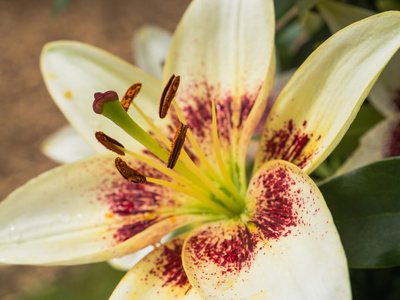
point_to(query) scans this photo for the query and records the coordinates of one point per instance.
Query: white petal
(74, 71)
(150, 48)
(66, 146)
(84, 212)
(126, 262)
(380, 142)
(317, 106)
(385, 95)
(287, 247)
(159, 275)
(228, 57)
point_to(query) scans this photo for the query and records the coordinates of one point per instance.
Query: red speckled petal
(317, 106)
(84, 212)
(223, 51)
(302, 246)
(160, 275)
(380, 142)
(287, 249)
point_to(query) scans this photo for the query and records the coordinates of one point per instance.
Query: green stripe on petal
(323, 97)
(85, 212)
(160, 275)
(226, 57)
(74, 71)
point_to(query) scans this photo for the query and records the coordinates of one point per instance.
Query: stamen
(168, 95)
(203, 198)
(109, 142)
(177, 145)
(130, 95)
(100, 99)
(218, 156)
(128, 173)
(199, 153)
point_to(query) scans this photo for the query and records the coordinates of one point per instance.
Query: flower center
(193, 175)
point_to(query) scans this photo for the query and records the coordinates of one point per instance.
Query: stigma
(192, 175)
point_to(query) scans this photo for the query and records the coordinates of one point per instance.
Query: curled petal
(385, 95)
(85, 212)
(228, 59)
(323, 97)
(160, 275)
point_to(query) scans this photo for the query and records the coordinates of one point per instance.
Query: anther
(128, 173)
(168, 95)
(109, 142)
(177, 145)
(130, 95)
(102, 98)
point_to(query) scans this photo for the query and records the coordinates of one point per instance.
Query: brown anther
(128, 173)
(130, 94)
(177, 145)
(109, 142)
(168, 95)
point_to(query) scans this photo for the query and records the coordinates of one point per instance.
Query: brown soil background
(27, 113)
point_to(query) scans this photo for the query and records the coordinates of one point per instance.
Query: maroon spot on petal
(169, 268)
(127, 231)
(195, 103)
(229, 249)
(394, 146)
(274, 213)
(133, 202)
(288, 144)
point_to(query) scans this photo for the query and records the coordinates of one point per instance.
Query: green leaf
(365, 206)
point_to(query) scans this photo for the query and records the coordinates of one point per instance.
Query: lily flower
(266, 236)
(382, 140)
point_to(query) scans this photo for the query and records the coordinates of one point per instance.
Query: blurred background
(28, 114)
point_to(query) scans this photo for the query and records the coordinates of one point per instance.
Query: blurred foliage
(94, 282)
(59, 6)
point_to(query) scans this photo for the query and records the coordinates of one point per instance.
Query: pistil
(219, 195)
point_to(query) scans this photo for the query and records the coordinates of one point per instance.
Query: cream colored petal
(74, 71)
(85, 212)
(286, 247)
(323, 97)
(385, 95)
(160, 275)
(224, 51)
(66, 146)
(127, 262)
(150, 48)
(380, 142)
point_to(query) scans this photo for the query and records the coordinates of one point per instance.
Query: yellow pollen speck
(50, 75)
(109, 215)
(261, 291)
(173, 219)
(68, 94)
